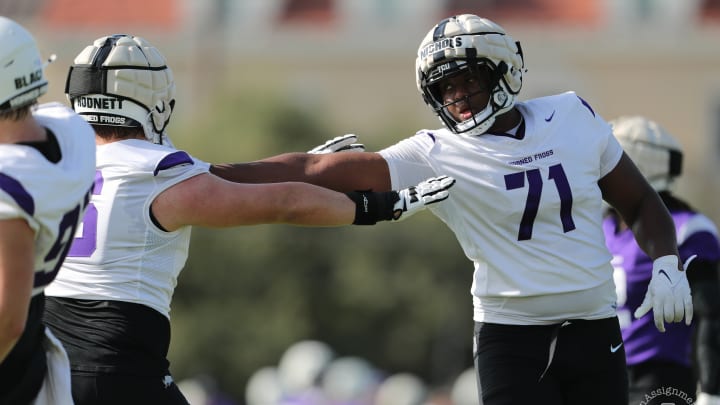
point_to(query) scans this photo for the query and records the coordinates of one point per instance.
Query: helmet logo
(24, 81)
(440, 69)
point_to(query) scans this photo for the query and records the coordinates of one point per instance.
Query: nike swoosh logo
(665, 274)
(613, 349)
(548, 119)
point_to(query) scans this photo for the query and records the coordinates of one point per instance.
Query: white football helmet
(654, 150)
(22, 80)
(466, 42)
(350, 380)
(122, 80)
(302, 365)
(401, 389)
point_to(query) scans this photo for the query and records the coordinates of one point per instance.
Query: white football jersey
(51, 197)
(120, 254)
(527, 212)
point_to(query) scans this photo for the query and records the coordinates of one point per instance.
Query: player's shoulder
(55, 111)
(144, 156)
(64, 123)
(568, 101)
(421, 142)
(566, 115)
(431, 136)
(696, 223)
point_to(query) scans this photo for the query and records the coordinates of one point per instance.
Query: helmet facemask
(468, 42)
(482, 117)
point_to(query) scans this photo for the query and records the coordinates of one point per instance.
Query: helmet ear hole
(502, 68)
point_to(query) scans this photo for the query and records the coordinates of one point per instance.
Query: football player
(527, 210)
(656, 360)
(110, 304)
(47, 167)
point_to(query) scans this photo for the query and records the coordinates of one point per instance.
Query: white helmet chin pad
(479, 123)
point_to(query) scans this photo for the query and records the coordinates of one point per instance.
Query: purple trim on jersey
(585, 103)
(430, 134)
(18, 193)
(703, 243)
(172, 160)
(99, 183)
(642, 339)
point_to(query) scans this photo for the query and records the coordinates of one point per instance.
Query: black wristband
(372, 207)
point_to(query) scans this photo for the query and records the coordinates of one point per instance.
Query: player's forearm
(276, 169)
(310, 205)
(370, 207)
(345, 172)
(654, 228)
(315, 206)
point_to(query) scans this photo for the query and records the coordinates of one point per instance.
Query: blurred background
(387, 305)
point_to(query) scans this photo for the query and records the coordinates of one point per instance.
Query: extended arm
(208, 200)
(642, 209)
(347, 171)
(17, 246)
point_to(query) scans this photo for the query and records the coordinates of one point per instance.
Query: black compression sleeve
(373, 207)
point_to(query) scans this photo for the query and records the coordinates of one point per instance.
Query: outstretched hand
(668, 294)
(416, 198)
(343, 143)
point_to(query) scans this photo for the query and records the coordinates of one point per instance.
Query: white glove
(707, 399)
(668, 293)
(343, 143)
(416, 198)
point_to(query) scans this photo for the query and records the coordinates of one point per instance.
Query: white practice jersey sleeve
(526, 210)
(50, 196)
(120, 253)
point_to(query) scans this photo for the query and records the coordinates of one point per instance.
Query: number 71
(532, 204)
